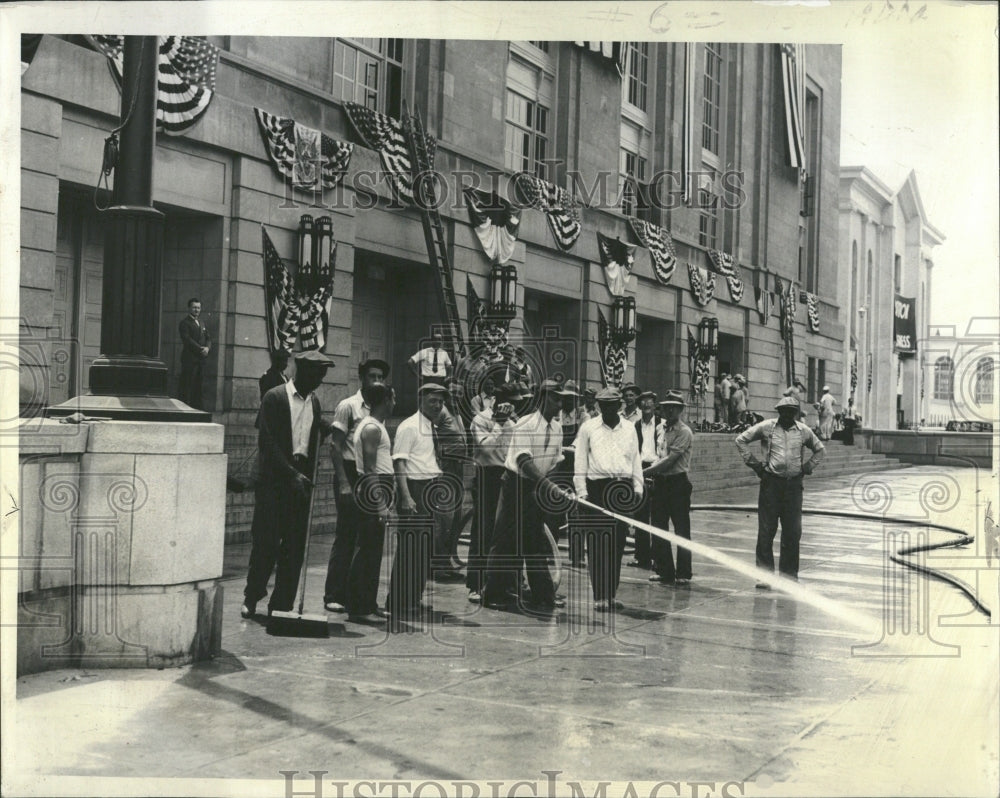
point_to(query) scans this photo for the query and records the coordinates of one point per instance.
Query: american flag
(280, 305)
(660, 244)
(385, 135)
(762, 297)
(281, 136)
(185, 77)
(791, 88)
(725, 264)
(555, 202)
(617, 258)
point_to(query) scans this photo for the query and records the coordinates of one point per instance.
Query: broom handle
(312, 495)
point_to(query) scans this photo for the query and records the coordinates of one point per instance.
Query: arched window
(944, 378)
(984, 381)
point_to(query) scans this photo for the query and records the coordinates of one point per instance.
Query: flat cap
(569, 388)
(787, 401)
(431, 387)
(673, 398)
(630, 386)
(591, 392)
(313, 356)
(647, 395)
(609, 394)
(373, 363)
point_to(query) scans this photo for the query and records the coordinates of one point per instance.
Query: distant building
(961, 374)
(886, 248)
(716, 112)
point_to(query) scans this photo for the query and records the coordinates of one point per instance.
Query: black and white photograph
(396, 405)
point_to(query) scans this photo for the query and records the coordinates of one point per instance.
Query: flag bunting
(725, 264)
(555, 202)
(489, 335)
(495, 221)
(702, 285)
(812, 312)
(614, 52)
(308, 157)
(280, 305)
(617, 258)
(660, 244)
(793, 112)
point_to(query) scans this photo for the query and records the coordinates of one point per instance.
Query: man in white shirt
(649, 430)
(630, 394)
(491, 430)
(291, 425)
(609, 472)
(346, 417)
(432, 362)
(781, 472)
(518, 536)
(373, 496)
(422, 501)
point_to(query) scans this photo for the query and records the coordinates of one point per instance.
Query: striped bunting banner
(702, 285)
(555, 202)
(185, 77)
(385, 135)
(660, 244)
(725, 264)
(284, 140)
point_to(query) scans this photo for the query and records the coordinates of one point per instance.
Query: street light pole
(128, 380)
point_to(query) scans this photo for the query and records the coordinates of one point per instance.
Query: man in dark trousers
(670, 502)
(195, 346)
(291, 425)
(780, 470)
(609, 471)
(649, 429)
(346, 417)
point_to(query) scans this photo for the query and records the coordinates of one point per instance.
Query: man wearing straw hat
(782, 440)
(291, 425)
(671, 499)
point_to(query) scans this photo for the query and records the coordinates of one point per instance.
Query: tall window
(711, 124)
(984, 381)
(944, 378)
(708, 212)
(810, 190)
(633, 164)
(636, 84)
(528, 126)
(370, 73)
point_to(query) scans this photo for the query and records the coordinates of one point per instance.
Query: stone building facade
(558, 109)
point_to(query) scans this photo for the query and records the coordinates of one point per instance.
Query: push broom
(299, 624)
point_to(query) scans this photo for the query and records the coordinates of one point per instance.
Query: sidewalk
(717, 683)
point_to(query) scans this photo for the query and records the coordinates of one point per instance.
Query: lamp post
(708, 347)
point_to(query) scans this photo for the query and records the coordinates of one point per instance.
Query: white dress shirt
(534, 436)
(301, 410)
(604, 452)
(491, 438)
(415, 446)
(346, 418)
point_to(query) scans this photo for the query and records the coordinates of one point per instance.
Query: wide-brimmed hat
(609, 394)
(569, 388)
(672, 399)
(787, 401)
(315, 357)
(647, 395)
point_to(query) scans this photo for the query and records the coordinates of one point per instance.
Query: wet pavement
(753, 692)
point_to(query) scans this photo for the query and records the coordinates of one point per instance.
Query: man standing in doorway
(432, 362)
(721, 398)
(291, 425)
(782, 440)
(346, 418)
(825, 409)
(195, 346)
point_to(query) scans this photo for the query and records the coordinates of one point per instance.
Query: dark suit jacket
(194, 335)
(274, 442)
(269, 379)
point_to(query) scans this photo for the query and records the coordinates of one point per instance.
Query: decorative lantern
(503, 291)
(306, 233)
(322, 243)
(623, 327)
(708, 336)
